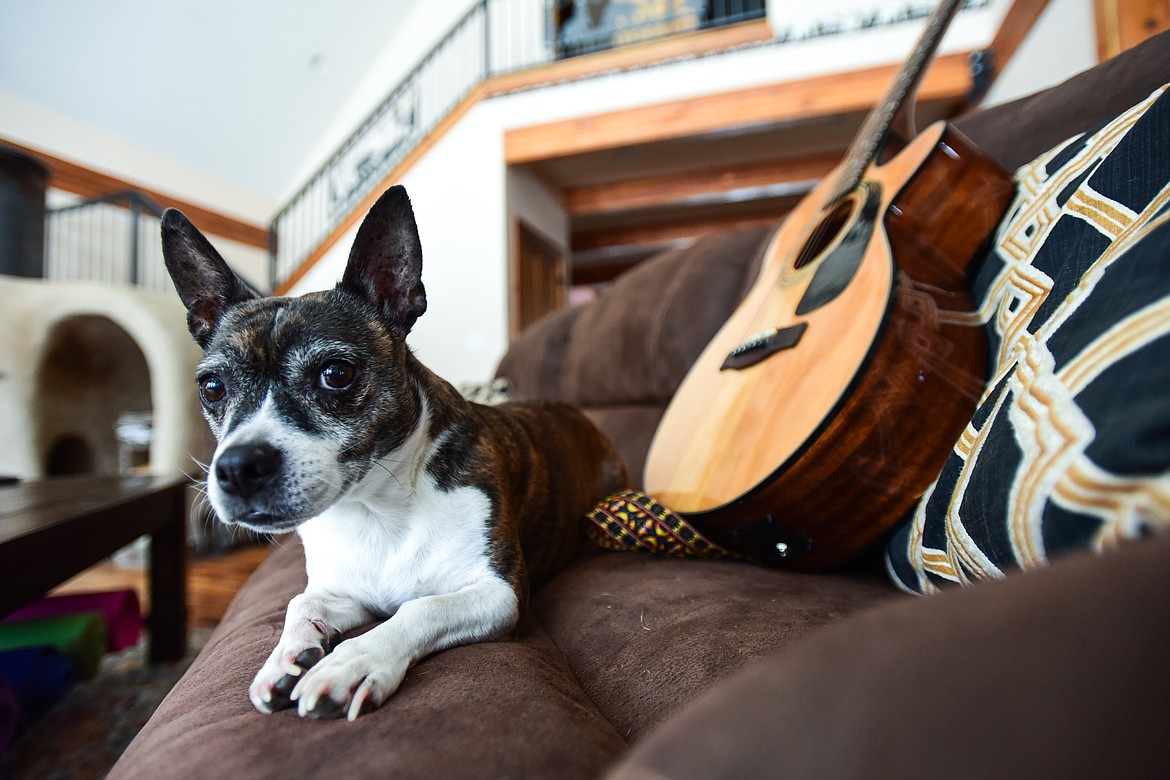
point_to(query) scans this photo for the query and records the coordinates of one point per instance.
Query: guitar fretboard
(876, 128)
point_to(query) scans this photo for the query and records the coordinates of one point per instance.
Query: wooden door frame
(1123, 24)
(522, 230)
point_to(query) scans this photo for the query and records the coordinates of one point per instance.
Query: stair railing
(493, 38)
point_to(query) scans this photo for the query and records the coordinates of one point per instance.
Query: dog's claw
(361, 697)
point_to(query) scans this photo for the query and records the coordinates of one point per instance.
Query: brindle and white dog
(416, 507)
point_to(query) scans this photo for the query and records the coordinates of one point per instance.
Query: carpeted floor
(82, 736)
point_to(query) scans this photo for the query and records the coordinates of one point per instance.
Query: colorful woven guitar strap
(632, 520)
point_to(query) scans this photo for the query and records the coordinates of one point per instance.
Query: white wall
(457, 192)
(541, 206)
(459, 188)
(417, 35)
(1062, 42)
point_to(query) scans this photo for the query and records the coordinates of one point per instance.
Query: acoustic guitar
(826, 405)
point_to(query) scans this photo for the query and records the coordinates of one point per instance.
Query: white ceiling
(240, 90)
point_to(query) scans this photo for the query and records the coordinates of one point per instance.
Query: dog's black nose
(245, 469)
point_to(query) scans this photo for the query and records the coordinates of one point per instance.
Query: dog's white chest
(427, 542)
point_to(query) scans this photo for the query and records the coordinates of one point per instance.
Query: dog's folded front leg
(312, 623)
(362, 672)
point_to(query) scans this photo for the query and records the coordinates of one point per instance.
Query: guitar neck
(876, 129)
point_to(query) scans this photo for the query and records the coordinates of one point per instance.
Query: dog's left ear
(385, 263)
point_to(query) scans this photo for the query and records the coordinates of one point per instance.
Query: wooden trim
(676, 188)
(948, 79)
(1016, 24)
(514, 263)
(523, 234)
(88, 183)
(1123, 24)
(680, 46)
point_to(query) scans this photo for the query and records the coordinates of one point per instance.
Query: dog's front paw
(350, 681)
(272, 688)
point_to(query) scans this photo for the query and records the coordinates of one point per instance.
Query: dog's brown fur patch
(542, 464)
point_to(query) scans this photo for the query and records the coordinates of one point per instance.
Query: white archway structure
(65, 317)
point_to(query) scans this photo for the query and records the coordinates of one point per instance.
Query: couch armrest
(1055, 673)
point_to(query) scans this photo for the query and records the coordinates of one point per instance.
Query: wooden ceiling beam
(949, 79)
(670, 231)
(689, 187)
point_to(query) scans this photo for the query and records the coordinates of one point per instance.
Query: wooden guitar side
(807, 457)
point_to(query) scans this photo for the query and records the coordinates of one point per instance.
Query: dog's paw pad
(281, 696)
(325, 708)
(307, 659)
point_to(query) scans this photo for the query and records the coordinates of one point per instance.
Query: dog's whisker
(389, 471)
(197, 481)
(204, 467)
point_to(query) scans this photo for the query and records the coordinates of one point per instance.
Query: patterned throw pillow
(1070, 445)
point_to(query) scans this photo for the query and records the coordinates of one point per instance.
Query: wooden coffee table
(52, 529)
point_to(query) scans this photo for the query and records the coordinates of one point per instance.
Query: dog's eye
(337, 375)
(212, 389)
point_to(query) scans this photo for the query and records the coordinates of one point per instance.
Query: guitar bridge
(762, 345)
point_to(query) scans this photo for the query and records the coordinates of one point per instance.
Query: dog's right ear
(205, 283)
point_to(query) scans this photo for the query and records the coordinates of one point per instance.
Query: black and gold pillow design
(1070, 445)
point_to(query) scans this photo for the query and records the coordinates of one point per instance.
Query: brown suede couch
(633, 666)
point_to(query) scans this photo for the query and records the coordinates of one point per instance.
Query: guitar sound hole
(827, 229)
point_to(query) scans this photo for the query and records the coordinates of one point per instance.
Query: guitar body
(827, 403)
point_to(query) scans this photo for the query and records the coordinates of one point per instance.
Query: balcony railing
(494, 37)
(114, 238)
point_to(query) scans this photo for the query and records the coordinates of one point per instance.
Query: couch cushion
(495, 709)
(628, 640)
(1070, 445)
(535, 363)
(644, 634)
(1058, 674)
(656, 319)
